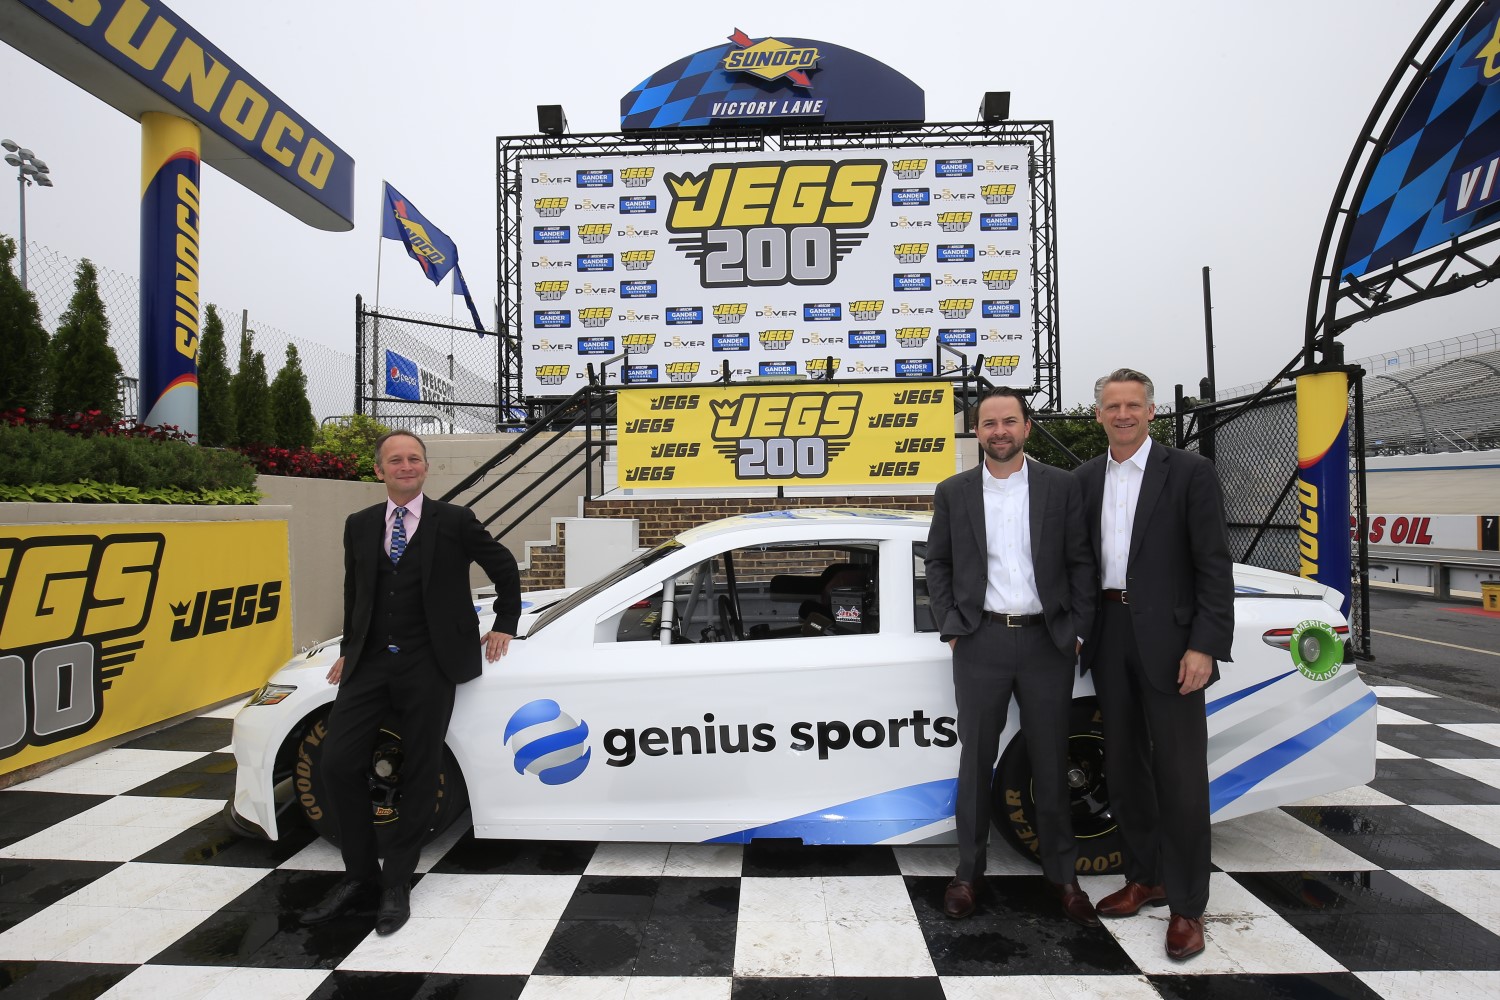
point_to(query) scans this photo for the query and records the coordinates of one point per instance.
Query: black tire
(1101, 848)
(385, 781)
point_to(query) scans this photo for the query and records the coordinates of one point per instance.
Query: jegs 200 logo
(769, 224)
(70, 607)
(791, 435)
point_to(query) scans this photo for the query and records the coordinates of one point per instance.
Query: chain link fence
(428, 375)
(50, 277)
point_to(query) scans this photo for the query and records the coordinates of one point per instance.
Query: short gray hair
(1125, 375)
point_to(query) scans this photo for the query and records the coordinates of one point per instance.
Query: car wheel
(385, 784)
(1101, 847)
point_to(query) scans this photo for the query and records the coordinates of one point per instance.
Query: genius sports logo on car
(552, 746)
(769, 224)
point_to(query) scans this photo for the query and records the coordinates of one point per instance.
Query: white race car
(777, 675)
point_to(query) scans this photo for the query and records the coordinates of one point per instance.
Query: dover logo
(548, 742)
(740, 234)
(68, 607)
(770, 59)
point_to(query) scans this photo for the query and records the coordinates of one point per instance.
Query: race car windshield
(609, 579)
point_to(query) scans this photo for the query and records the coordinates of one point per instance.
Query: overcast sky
(1188, 134)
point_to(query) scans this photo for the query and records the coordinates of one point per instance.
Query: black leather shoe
(1075, 903)
(343, 897)
(959, 899)
(394, 911)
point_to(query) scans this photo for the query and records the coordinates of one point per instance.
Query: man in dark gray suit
(411, 634)
(1156, 518)
(1012, 592)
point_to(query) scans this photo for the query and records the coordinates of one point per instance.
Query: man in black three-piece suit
(1012, 591)
(410, 632)
(1166, 615)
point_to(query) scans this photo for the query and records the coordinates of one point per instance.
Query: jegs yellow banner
(106, 628)
(848, 434)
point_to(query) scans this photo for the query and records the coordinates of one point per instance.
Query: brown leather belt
(1118, 596)
(1014, 621)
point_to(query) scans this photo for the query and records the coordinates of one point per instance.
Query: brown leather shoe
(1127, 902)
(959, 899)
(1075, 904)
(1184, 937)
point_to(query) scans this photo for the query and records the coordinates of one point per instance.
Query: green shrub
(37, 455)
(352, 437)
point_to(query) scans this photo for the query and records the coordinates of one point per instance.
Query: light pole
(29, 170)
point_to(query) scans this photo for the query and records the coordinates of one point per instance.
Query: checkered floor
(117, 879)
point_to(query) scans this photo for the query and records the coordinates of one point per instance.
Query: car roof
(861, 518)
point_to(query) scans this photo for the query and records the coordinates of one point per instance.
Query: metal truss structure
(513, 151)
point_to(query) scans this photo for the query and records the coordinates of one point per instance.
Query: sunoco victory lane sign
(780, 264)
(857, 434)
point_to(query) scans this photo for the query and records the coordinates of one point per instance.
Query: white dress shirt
(412, 518)
(1011, 587)
(1122, 491)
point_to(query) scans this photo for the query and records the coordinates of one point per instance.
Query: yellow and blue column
(1323, 480)
(170, 149)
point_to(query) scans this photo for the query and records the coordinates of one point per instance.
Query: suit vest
(398, 617)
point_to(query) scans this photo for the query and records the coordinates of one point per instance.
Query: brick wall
(662, 519)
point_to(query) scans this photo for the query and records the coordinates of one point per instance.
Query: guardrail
(1444, 573)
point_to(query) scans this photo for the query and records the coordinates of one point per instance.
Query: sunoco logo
(547, 742)
(740, 234)
(730, 313)
(770, 59)
(550, 291)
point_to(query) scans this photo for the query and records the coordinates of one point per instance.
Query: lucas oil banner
(858, 434)
(107, 628)
(876, 264)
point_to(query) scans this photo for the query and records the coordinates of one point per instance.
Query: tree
(295, 424)
(216, 423)
(86, 370)
(1080, 433)
(252, 397)
(24, 343)
(354, 436)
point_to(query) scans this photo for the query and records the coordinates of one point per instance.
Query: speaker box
(995, 107)
(550, 119)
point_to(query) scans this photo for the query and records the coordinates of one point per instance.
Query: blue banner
(426, 244)
(402, 380)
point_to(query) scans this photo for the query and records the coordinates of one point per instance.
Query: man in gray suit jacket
(1156, 519)
(410, 636)
(1012, 591)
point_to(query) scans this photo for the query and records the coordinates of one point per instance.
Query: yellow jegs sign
(107, 628)
(788, 435)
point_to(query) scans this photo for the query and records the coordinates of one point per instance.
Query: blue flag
(426, 244)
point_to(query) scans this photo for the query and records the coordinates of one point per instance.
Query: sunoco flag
(428, 245)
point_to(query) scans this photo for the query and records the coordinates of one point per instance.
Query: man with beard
(1012, 586)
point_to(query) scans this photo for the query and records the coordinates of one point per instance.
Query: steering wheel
(729, 619)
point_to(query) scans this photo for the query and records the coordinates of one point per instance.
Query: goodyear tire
(1101, 848)
(385, 784)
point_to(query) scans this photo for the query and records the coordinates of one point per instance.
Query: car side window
(779, 592)
(921, 612)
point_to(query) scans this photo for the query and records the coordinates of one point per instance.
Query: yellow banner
(849, 434)
(106, 628)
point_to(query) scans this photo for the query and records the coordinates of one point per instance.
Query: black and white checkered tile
(118, 879)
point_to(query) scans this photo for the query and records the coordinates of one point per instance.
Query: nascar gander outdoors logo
(547, 742)
(769, 224)
(770, 59)
(785, 435)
